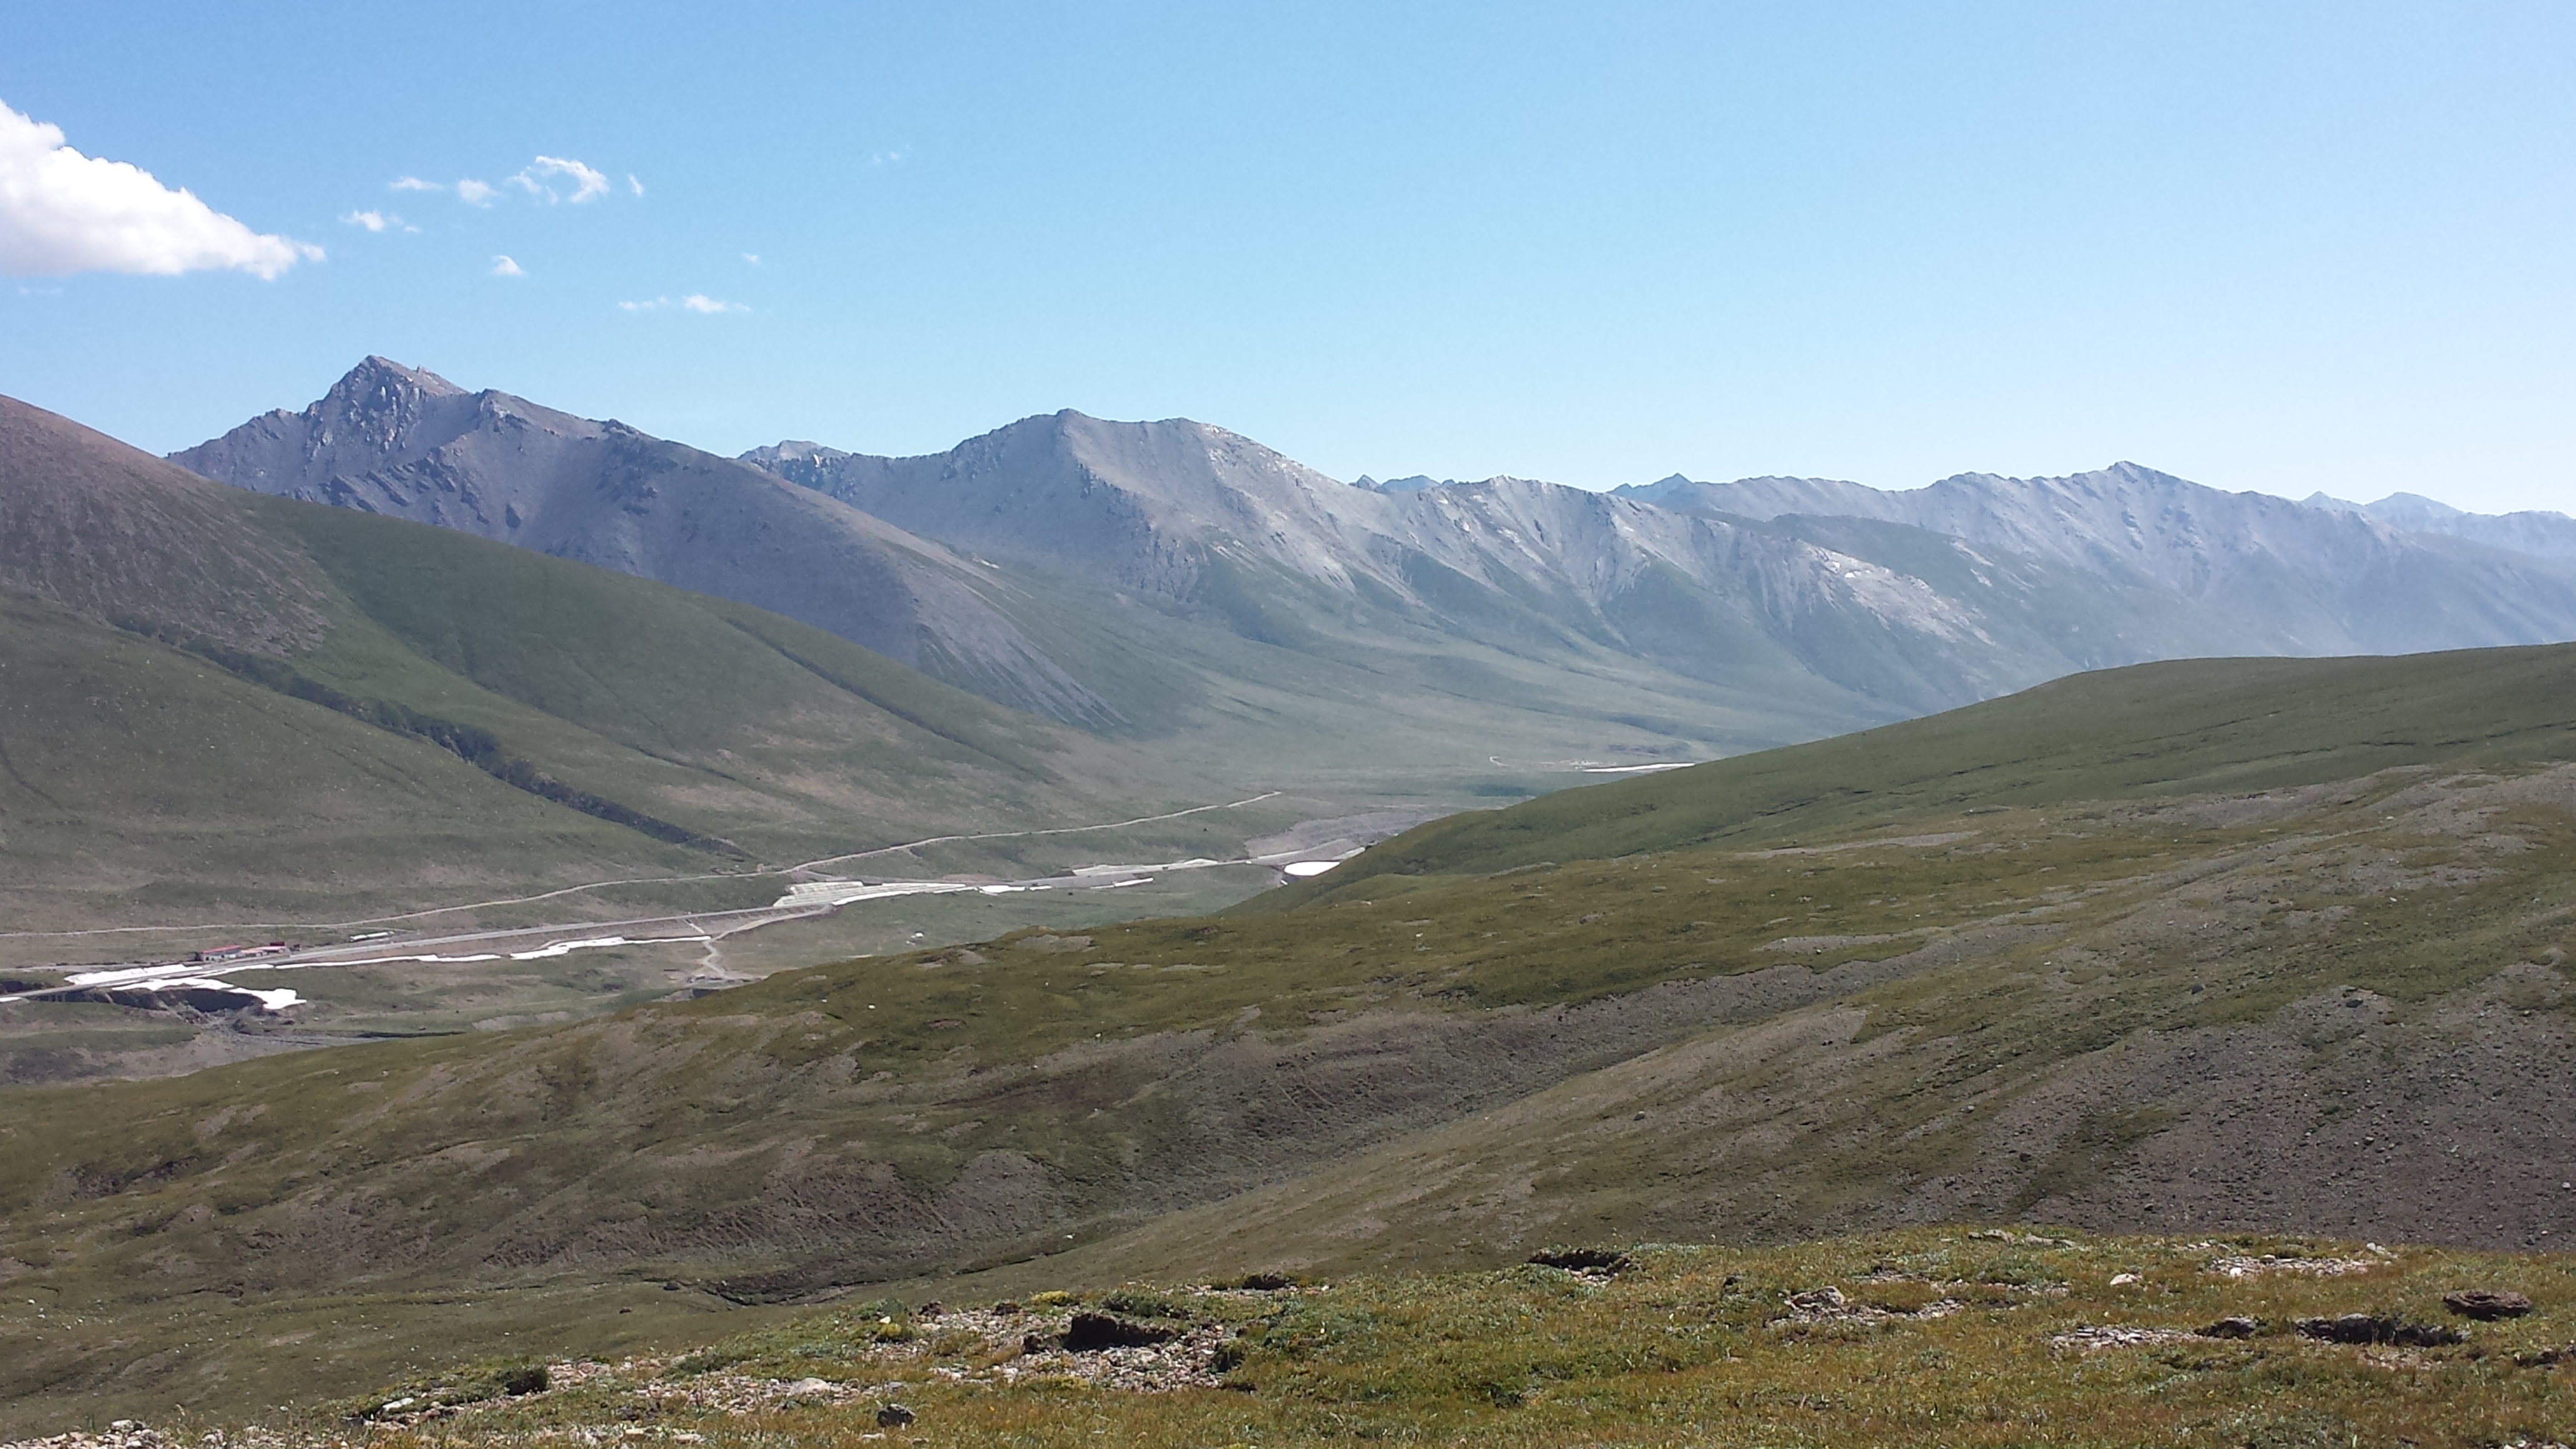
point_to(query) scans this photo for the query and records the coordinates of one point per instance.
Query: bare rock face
(407, 443)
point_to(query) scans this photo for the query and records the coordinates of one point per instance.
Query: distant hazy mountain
(1198, 513)
(406, 443)
(2548, 535)
(2237, 572)
(1914, 600)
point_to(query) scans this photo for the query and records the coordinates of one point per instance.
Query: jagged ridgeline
(2213, 949)
(220, 702)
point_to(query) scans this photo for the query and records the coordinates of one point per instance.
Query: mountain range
(2533, 531)
(1823, 604)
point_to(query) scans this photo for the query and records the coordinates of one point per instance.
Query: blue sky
(2275, 246)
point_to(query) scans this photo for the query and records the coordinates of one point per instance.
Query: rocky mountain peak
(378, 403)
(791, 450)
(374, 372)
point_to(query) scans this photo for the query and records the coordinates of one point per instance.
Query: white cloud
(476, 193)
(63, 212)
(697, 302)
(504, 267)
(634, 185)
(378, 221)
(547, 174)
(752, 257)
(413, 183)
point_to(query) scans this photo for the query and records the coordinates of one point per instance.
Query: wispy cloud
(504, 267)
(752, 257)
(698, 302)
(634, 185)
(550, 176)
(548, 179)
(378, 221)
(63, 212)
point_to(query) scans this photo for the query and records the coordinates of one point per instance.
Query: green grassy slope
(2158, 729)
(2334, 1006)
(146, 781)
(232, 705)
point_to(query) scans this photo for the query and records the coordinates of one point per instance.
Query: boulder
(2377, 1328)
(1092, 1332)
(2486, 1304)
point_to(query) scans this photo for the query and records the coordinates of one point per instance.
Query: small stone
(2486, 1304)
(2123, 1280)
(894, 1416)
(2232, 1326)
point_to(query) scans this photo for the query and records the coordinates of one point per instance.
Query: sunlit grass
(1954, 1339)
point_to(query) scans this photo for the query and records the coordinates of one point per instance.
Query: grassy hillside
(225, 706)
(2188, 727)
(2332, 1007)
